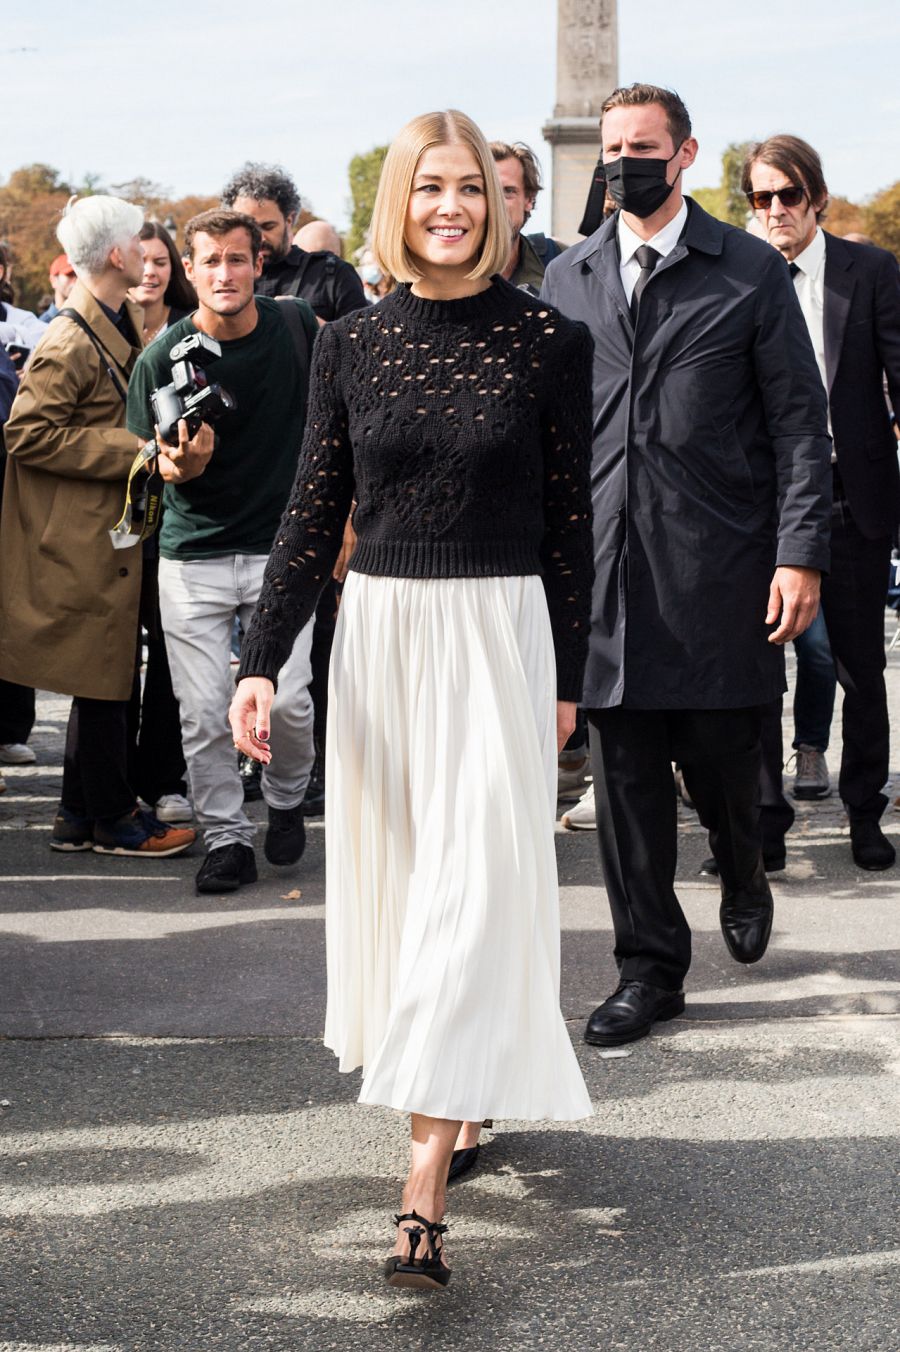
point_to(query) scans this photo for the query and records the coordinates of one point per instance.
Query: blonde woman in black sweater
(455, 415)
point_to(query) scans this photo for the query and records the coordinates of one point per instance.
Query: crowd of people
(487, 520)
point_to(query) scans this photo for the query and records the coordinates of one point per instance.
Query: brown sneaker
(140, 833)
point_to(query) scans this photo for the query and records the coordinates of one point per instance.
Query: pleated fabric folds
(442, 896)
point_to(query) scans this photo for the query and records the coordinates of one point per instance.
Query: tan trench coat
(68, 600)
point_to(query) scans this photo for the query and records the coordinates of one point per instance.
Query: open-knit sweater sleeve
(309, 536)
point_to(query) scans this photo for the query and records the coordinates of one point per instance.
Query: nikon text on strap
(142, 504)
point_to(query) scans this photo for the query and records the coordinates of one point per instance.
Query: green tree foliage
(30, 206)
(843, 216)
(881, 218)
(711, 200)
(33, 179)
(32, 201)
(364, 171)
(727, 202)
(737, 207)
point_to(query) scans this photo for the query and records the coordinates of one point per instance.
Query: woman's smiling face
(446, 216)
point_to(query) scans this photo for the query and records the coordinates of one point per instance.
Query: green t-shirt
(236, 503)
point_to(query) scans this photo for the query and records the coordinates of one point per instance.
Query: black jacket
(331, 286)
(862, 346)
(710, 465)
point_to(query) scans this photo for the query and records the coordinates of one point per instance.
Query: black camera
(191, 395)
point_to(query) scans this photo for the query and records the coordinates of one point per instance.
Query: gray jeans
(199, 600)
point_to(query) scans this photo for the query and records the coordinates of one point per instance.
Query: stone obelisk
(586, 72)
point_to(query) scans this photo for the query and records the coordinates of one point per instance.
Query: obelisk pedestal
(586, 73)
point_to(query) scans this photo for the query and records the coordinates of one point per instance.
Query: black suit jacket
(862, 346)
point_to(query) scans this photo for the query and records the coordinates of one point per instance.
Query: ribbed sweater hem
(444, 558)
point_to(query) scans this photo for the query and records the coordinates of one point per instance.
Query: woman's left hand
(565, 722)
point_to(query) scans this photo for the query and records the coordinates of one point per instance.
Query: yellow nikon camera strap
(143, 500)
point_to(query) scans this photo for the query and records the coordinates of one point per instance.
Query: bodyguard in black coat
(850, 297)
(711, 493)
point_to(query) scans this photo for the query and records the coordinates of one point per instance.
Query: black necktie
(648, 259)
(793, 269)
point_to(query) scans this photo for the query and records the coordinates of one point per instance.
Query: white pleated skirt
(442, 909)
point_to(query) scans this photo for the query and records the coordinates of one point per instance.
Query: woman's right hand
(250, 716)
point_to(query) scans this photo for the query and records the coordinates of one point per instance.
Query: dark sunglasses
(788, 197)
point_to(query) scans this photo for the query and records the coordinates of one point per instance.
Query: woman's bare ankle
(469, 1135)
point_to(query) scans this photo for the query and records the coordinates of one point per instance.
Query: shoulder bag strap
(104, 356)
(297, 330)
(298, 276)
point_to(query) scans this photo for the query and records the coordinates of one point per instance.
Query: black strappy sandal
(428, 1272)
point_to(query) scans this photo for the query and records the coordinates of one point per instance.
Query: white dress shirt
(663, 242)
(809, 284)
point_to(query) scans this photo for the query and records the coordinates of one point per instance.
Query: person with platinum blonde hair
(92, 227)
(69, 602)
(454, 420)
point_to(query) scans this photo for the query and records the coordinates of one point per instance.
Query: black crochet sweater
(462, 429)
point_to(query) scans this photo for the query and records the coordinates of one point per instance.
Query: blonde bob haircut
(391, 203)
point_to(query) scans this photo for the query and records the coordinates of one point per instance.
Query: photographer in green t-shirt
(224, 495)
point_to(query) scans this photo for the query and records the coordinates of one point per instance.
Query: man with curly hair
(270, 196)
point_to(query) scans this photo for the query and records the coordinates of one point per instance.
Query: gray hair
(263, 183)
(91, 227)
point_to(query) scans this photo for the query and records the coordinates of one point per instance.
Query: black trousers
(155, 756)
(776, 816)
(16, 712)
(95, 783)
(155, 764)
(853, 599)
(632, 751)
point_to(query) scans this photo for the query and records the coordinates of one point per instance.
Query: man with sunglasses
(710, 495)
(850, 297)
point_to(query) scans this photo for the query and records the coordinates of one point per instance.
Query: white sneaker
(583, 816)
(570, 777)
(17, 753)
(173, 807)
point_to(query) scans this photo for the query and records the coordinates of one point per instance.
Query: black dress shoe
(286, 837)
(314, 799)
(871, 848)
(746, 921)
(462, 1161)
(631, 1012)
(227, 868)
(774, 860)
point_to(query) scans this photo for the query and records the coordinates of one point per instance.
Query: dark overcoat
(710, 465)
(861, 323)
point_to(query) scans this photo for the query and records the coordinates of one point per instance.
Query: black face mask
(637, 185)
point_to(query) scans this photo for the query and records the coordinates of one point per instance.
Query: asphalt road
(182, 1168)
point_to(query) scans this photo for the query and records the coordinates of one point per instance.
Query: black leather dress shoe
(746, 925)
(774, 860)
(631, 1012)
(871, 848)
(461, 1161)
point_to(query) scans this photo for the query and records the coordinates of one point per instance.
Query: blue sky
(182, 93)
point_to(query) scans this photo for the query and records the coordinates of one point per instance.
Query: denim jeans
(199, 600)
(815, 688)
